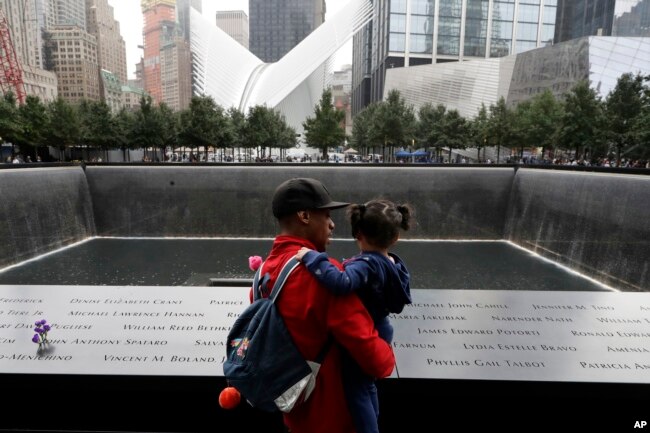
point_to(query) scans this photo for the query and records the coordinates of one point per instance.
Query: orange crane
(11, 74)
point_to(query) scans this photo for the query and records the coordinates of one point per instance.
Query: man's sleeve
(354, 329)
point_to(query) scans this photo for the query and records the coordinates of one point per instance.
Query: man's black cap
(302, 193)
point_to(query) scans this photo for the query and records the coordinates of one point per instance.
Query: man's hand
(301, 253)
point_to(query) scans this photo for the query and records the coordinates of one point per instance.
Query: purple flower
(37, 323)
(35, 338)
(39, 330)
(43, 322)
(47, 328)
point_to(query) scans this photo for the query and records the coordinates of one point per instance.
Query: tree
(581, 119)
(11, 128)
(478, 130)
(454, 131)
(63, 126)
(33, 114)
(540, 121)
(362, 127)
(169, 128)
(500, 129)
(428, 127)
(394, 122)
(124, 123)
(237, 127)
(99, 128)
(324, 130)
(147, 126)
(622, 107)
(267, 128)
(203, 124)
(642, 126)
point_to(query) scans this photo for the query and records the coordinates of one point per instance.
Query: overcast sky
(129, 14)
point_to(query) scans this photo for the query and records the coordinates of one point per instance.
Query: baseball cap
(302, 193)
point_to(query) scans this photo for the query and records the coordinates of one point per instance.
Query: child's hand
(301, 253)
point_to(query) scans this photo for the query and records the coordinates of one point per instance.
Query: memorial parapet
(444, 334)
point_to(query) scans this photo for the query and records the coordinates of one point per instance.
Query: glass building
(464, 86)
(577, 18)
(419, 32)
(276, 26)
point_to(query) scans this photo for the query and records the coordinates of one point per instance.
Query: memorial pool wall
(597, 223)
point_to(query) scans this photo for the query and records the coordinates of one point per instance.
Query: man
(312, 314)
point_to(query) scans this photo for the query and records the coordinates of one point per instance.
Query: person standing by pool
(313, 314)
(381, 280)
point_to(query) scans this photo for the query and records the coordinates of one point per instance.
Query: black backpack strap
(288, 267)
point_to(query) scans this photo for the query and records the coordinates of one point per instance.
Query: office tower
(159, 15)
(235, 23)
(175, 69)
(66, 13)
(577, 18)
(75, 61)
(111, 48)
(25, 32)
(183, 15)
(417, 32)
(276, 26)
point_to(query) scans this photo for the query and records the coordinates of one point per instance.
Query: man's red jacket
(311, 313)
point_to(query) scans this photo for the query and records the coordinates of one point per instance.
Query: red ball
(229, 398)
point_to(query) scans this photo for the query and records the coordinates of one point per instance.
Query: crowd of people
(19, 159)
(527, 160)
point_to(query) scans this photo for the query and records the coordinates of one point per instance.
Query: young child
(379, 278)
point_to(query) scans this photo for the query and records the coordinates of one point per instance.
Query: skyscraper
(111, 49)
(577, 18)
(158, 15)
(416, 32)
(74, 55)
(276, 26)
(235, 23)
(66, 13)
(183, 15)
(25, 32)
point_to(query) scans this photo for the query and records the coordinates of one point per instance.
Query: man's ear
(303, 216)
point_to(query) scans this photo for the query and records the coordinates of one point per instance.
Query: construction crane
(11, 74)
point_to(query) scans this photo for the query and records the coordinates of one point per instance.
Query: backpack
(262, 361)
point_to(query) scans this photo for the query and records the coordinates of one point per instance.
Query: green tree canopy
(34, 120)
(429, 125)
(500, 129)
(324, 130)
(11, 128)
(478, 130)
(394, 122)
(581, 120)
(362, 127)
(64, 125)
(622, 107)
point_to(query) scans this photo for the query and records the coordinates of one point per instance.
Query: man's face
(320, 228)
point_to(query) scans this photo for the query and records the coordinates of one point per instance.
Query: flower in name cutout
(41, 329)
